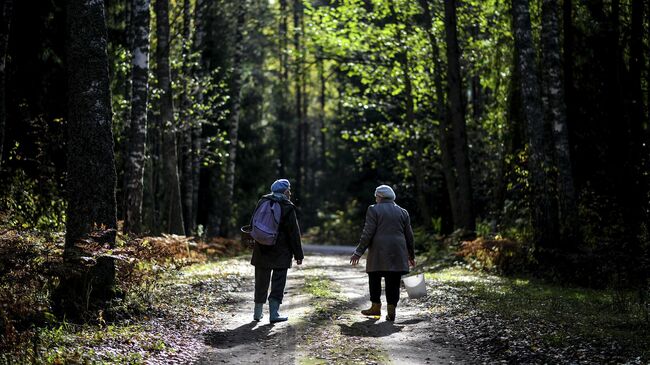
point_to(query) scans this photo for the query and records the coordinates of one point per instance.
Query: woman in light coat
(388, 236)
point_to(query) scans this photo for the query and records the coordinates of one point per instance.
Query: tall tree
(6, 10)
(441, 114)
(567, 48)
(322, 85)
(418, 174)
(200, 8)
(172, 210)
(543, 215)
(134, 166)
(91, 177)
(554, 102)
(282, 108)
(458, 125)
(233, 127)
(298, 71)
(637, 63)
(186, 126)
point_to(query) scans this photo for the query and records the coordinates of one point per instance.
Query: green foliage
(425, 241)
(321, 287)
(340, 226)
(32, 203)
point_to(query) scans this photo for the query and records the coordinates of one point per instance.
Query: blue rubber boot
(258, 311)
(274, 316)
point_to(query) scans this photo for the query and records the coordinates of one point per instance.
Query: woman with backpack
(388, 236)
(277, 235)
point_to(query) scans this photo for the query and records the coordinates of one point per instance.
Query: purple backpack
(266, 221)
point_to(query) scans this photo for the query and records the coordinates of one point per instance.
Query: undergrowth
(563, 313)
(31, 264)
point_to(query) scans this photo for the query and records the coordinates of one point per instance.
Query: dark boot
(391, 312)
(374, 310)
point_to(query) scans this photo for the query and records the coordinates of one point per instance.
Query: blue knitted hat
(280, 186)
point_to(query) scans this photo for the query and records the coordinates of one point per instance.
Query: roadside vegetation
(166, 285)
(505, 314)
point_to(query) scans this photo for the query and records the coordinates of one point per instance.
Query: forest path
(323, 299)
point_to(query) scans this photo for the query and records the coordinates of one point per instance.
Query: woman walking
(388, 236)
(272, 261)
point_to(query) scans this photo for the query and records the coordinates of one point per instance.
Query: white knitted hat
(385, 192)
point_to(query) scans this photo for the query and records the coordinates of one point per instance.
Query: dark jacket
(287, 245)
(388, 236)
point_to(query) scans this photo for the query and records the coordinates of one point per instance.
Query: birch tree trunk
(135, 161)
(91, 178)
(543, 216)
(6, 11)
(281, 97)
(557, 112)
(233, 129)
(458, 125)
(172, 210)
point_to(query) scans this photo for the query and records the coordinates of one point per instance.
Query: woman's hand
(354, 259)
(412, 262)
(298, 262)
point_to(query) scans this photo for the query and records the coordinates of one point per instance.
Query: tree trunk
(458, 125)
(321, 114)
(6, 11)
(280, 97)
(197, 138)
(172, 210)
(134, 168)
(637, 63)
(186, 130)
(567, 47)
(543, 217)
(91, 177)
(227, 218)
(415, 164)
(443, 117)
(556, 111)
(297, 33)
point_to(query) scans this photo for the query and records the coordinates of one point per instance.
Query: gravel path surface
(326, 328)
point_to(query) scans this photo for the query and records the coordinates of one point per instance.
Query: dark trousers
(392, 280)
(277, 278)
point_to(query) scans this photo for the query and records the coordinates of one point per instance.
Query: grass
(595, 315)
(325, 344)
(321, 287)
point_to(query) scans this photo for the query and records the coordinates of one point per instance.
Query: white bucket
(415, 286)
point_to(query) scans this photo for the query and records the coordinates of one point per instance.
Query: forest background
(524, 123)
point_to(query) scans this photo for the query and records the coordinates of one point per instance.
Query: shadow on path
(246, 333)
(372, 328)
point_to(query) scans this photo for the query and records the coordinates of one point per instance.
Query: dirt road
(323, 299)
